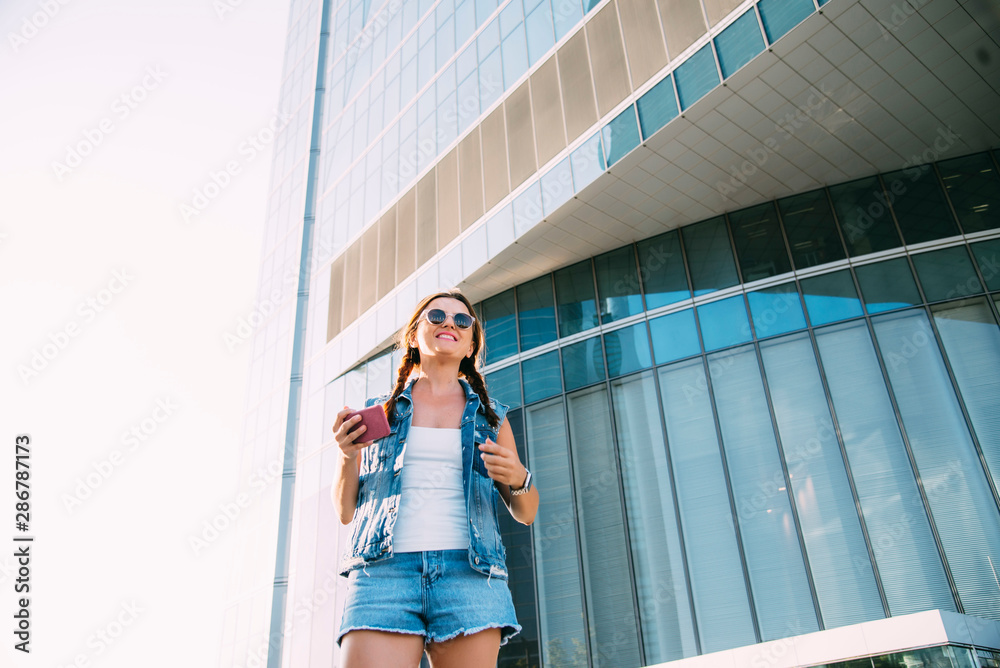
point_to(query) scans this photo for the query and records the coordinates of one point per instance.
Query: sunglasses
(436, 316)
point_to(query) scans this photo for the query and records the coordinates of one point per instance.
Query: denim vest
(380, 486)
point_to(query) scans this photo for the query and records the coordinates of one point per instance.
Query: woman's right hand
(346, 438)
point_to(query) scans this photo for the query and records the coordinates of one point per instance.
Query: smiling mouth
(450, 337)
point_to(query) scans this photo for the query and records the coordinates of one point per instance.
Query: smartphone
(374, 419)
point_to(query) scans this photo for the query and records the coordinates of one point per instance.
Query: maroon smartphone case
(372, 417)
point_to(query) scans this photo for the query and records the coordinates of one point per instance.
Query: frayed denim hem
(344, 632)
(505, 634)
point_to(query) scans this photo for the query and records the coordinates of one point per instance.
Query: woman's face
(444, 340)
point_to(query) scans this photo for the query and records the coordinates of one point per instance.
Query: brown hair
(468, 368)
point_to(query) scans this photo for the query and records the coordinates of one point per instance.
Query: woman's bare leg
(478, 650)
(363, 648)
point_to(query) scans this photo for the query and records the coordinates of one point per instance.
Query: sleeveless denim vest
(380, 486)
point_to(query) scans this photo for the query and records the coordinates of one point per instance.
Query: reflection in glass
(499, 321)
(759, 243)
(724, 323)
(504, 385)
(583, 363)
(842, 570)
(617, 284)
(657, 106)
(974, 189)
(721, 606)
(627, 350)
(919, 204)
(987, 254)
(812, 232)
(542, 377)
(776, 310)
(661, 583)
(739, 43)
(575, 296)
(621, 135)
(864, 217)
(696, 76)
(946, 274)
(954, 481)
(675, 336)
(661, 268)
(780, 16)
(614, 637)
(538, 25)
(906, 556)
(831, 297)
(536, 312)
(887, 285)
(710, 257)
(587, 162)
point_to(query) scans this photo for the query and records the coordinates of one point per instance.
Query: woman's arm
(504, 466)
(344, 490)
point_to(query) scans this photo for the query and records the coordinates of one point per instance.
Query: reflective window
(544, 377)
(780, 16)
(776, 310)
(583, 363)
(812, 232)
(739, 43)
(539, 30)
(759, 244)
(536, 312)
(974, 190)
(987, 254)
(617, 284)
(627, 350)
(498, 319)
(887, 285)
(919, 204)
(528, 209)
(831, 297)
(696, 76)
(661, 269)
(710, 256)
(864, 218)
(505, 385)
(587, 162)
(515, 54)
(657, 106)
(724, 323)
(654, 537)
(575, 295)
(557, 186)
(566, 15)
(946, 274)
(675, 336)
(610, 607)
(621, 135)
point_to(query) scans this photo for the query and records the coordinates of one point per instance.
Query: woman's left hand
(503, 464)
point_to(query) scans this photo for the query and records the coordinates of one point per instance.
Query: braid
(410, 360)
(468, 369)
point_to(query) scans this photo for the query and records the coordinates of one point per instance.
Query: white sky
(160, 337)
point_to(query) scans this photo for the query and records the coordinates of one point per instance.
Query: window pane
(575, 295)
(583, 363)
(972, 343)
(919, 204)
(946, 274)
(527, 209)
(587, 162)
(539, 30)
(505, 385)
(661, 583)
(954, 481)
(776, 310)
(657, 107)
(842, 570)
(864, 218)
(778, 578)
(780, 16)
(710, 257)
(567, 14)
(724, 323)
(621, 135)
(557, 186)
(544, 377)
(515, 55)
(831, 297)
(674, 336)
(614, 637)
(501, 327)
(722, 610)
(661, 268)
(887, 285)
(986, 254)
(617, 284)
(812, 233)
(739, 43)
(696, 76)
(974, 190)
(627, 350)
(759, 244)
(906, 556)
(557, 565)
(536, 312)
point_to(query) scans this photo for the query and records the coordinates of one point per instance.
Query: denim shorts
(435, 593)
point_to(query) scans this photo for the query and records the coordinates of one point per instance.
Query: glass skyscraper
(739, 269)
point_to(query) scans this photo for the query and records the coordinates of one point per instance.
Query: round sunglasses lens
(436, 316)
(463, 321)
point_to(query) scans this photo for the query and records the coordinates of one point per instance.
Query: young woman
(426, 566)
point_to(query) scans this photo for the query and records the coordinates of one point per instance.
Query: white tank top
(431, 512)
